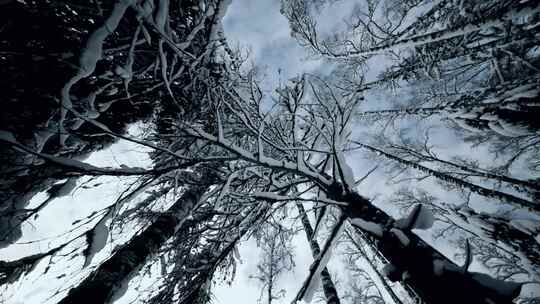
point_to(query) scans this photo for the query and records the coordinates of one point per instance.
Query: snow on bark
(527, 226)
(403, 239)
(88, 59)
(518, 128)
(328, 286)
(320, 215)
(370, 227)
(312, 282)
(486, 192)
(346, 171)
(62, 189)
(107, 281)
(224, 190)
(41, 137)
(519, 13)
(497, 127)
(465, 124)
(197, 132)
(217, 28)
(7, 136)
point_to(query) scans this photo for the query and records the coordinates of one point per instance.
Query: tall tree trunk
(429, 273)
(497, 232)
(101, 284)
(489, 193)
(380, 277)
(522, 185)
(329, 288)
(488, 99)
(513, 9)
(523, 243)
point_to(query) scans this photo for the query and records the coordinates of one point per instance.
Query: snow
(41, 137)
(196, 131)
(221, 136)
(89, 57)
(497, 127)
(312, 287)
(224, 190)
(438, 267)
(236, 254)
(64, 188)
(462, 123)
(527, 226)
(389, 269)
(70, 210)
(73, 163)
(516, 128)
(217, 29)
(370, 227)
(7, 136)
(489, 116)
(97, 238)
(403, 239)
(162, 14)
(476, 221)
(320, 215)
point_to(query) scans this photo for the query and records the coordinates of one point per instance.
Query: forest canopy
(147, 157)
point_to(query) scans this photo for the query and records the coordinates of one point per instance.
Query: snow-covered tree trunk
(379, 275)
(103, 282)
(328, 286)
(411, 260)
(515, 236)
(489, 193)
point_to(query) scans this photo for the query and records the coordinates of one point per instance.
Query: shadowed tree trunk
(329, 288)
(489, 193)
(380, 276)
(102, 283)
(430, 274)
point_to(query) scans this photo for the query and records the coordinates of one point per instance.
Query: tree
(328, 286)
(325, 132)
(199, 42)
(274, 241)
(514, 238)
(462, 64)
(360, 251)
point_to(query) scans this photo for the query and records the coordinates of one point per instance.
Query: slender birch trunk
(329, 288)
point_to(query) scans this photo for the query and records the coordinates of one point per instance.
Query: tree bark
(101, 284)
(329, 288)
(381, 278)
(489, 193)
(429, 273)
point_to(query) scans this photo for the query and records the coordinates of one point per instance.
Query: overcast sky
(259, 26)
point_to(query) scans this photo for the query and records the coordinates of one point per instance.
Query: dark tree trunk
(358, 246)
(101, 284)
(430, 274)
(329, 288)
(490, 193)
